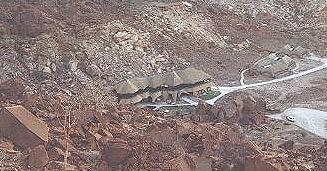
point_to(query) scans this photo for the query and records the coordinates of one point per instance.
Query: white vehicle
(290, 118)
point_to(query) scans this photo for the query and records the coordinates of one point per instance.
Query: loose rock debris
(72, 53)
(148, 141)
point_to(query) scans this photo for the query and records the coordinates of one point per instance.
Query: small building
(274, 65)
(22, 127)
(199, 89)
(167, 87)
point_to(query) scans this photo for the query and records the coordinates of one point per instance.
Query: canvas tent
(196, 88)
(274, 64)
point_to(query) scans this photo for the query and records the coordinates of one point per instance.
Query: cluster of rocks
(236, 107)
(87, 57)
(95, 58)
(129, 138)
(71, 53)
(293, 14)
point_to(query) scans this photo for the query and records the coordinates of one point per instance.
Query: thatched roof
(171, 79)
(135, 99)
(192, 75)
(131, 86)
(199, 87)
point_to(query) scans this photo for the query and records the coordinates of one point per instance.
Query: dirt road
(226, 90)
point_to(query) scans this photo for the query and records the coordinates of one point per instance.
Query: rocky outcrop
(238, 107)
(258, 164)
(115, 151)
(71, 53)
(38, 157)
(22, 127)
(125, 137)
(202, 113)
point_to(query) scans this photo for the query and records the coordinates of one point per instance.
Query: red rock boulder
(202, 112)
(239, 107)
(114, 151)
(258, 164)
(38, 157)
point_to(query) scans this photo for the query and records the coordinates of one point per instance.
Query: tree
(66, 125)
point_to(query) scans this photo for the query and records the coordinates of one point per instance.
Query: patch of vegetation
(210, 95)
(177, 110)
(39, 76)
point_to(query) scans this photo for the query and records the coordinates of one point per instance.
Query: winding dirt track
(226, 90)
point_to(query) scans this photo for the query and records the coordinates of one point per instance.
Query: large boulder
(38, 157)
(237, 107)
(114, 151)
(29, 21)
(22, 127)
(202, 112)
(259, 164)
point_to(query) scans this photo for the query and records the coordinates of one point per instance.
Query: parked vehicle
(290, 118)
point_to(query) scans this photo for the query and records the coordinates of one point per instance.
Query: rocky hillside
(82, 48)
(62, 57)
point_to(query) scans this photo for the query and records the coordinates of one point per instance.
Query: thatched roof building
(136, 89)
(170, 79)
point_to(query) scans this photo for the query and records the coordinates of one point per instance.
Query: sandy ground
(314, 121)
